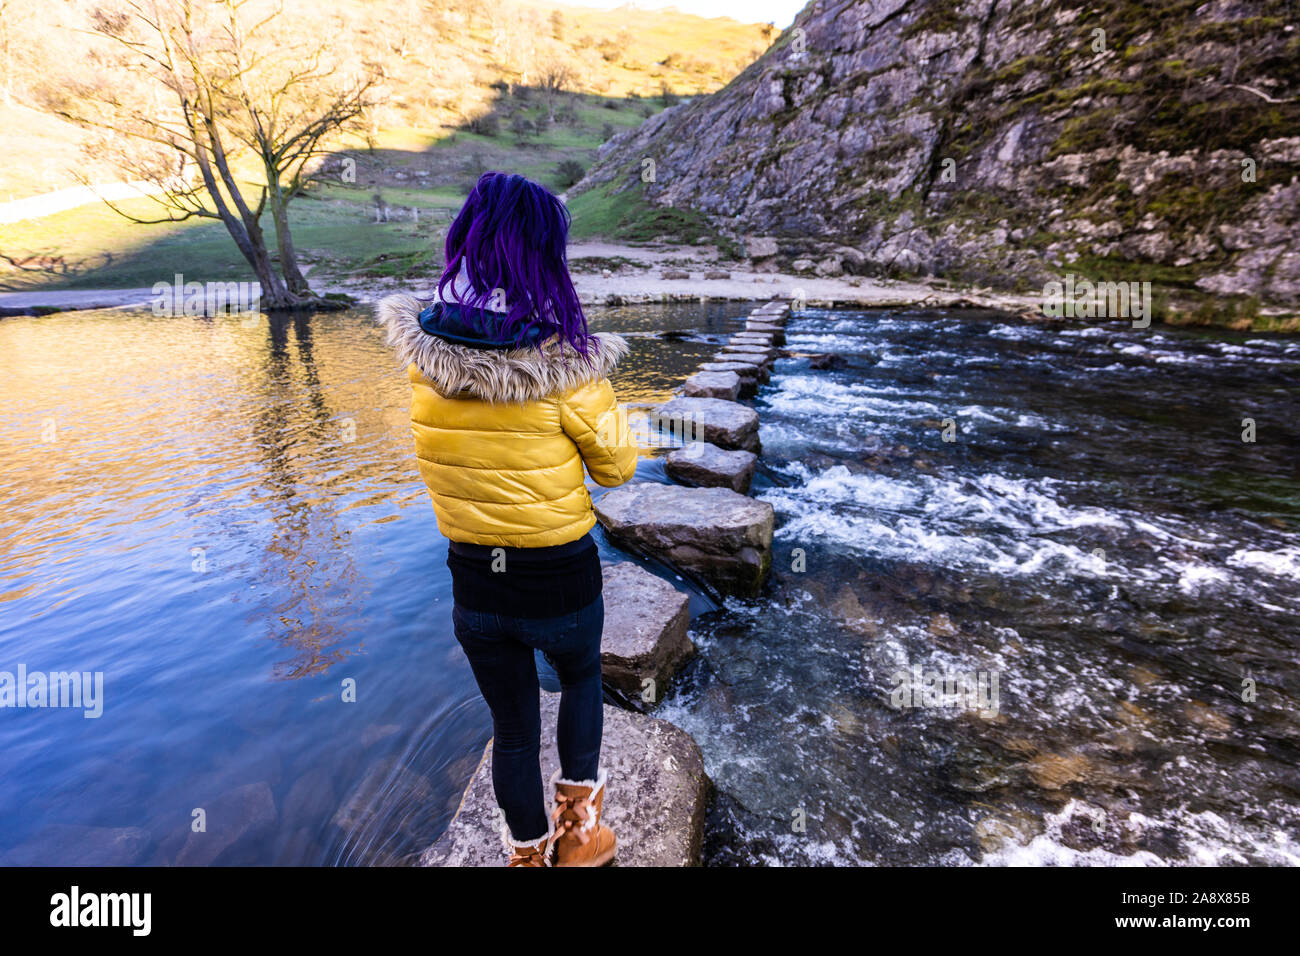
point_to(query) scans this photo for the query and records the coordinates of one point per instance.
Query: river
(224, 519)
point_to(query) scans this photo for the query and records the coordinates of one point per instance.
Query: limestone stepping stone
(708, 466)
(722, 537)
(656, 794)
(747, 353)
(725, 424)
(751, 376)
(724, 385)
(645, 641)
(749, 372)
(761, 339)
(766, 328)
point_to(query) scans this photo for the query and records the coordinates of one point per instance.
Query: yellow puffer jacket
(501, 435)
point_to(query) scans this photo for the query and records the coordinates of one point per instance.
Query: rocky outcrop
(1001, 143)
(722, 537)
(657, 793)
(644, 642)
(708, 466)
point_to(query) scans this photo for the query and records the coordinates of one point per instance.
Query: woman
(511, 396)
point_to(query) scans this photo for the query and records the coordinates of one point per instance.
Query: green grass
(334, 223)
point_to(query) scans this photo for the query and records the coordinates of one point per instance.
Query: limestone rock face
(997, 143)
(708, 466)
(720, 536)
(722, 423)
(645, 636)
(656, 796)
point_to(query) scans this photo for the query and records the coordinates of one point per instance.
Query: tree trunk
(293, 276)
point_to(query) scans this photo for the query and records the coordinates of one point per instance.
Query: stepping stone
(645, 641)
(723, 538)
(724, 385)
(708, 466)
(725, 424)
(655, 797)
(747, 353)
(761, 339)
(766, 328)
(751, 376)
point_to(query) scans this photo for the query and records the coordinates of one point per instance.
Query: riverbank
(612, 273)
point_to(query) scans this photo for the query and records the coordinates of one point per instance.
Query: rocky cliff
(1002, 142)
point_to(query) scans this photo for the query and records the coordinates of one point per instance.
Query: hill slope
(1003, 142)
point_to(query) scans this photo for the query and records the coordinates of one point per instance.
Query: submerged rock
(656, 796)
(725, 424)
(708, 466)
(240, 815)
(724, 385)
(69, 845)
(644, 642)
(721, 536)
(826, 360)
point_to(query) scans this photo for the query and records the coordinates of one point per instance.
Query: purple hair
(511, 236)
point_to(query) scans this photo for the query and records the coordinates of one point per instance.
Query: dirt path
(606, 273)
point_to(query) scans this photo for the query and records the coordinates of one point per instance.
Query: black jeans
(500, 651)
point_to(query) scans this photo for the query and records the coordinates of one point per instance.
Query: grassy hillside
(458, 96)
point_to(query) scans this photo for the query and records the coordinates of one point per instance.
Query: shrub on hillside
(569, 172)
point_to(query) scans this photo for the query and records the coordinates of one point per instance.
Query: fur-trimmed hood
(503, 375)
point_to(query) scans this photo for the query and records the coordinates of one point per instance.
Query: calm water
(226, 521)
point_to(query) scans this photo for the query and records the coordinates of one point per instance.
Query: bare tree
(554, 78)
(234, 88)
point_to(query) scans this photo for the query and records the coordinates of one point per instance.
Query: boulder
(760, 247)
(722, 537)
(725, 385)
(645, 641)
(674, 274)
(708, 466)
(827, 360)
(717, 274)
(657, 793)
(726, 424)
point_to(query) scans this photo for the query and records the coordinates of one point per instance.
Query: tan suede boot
(580, 838)
(529, 852)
